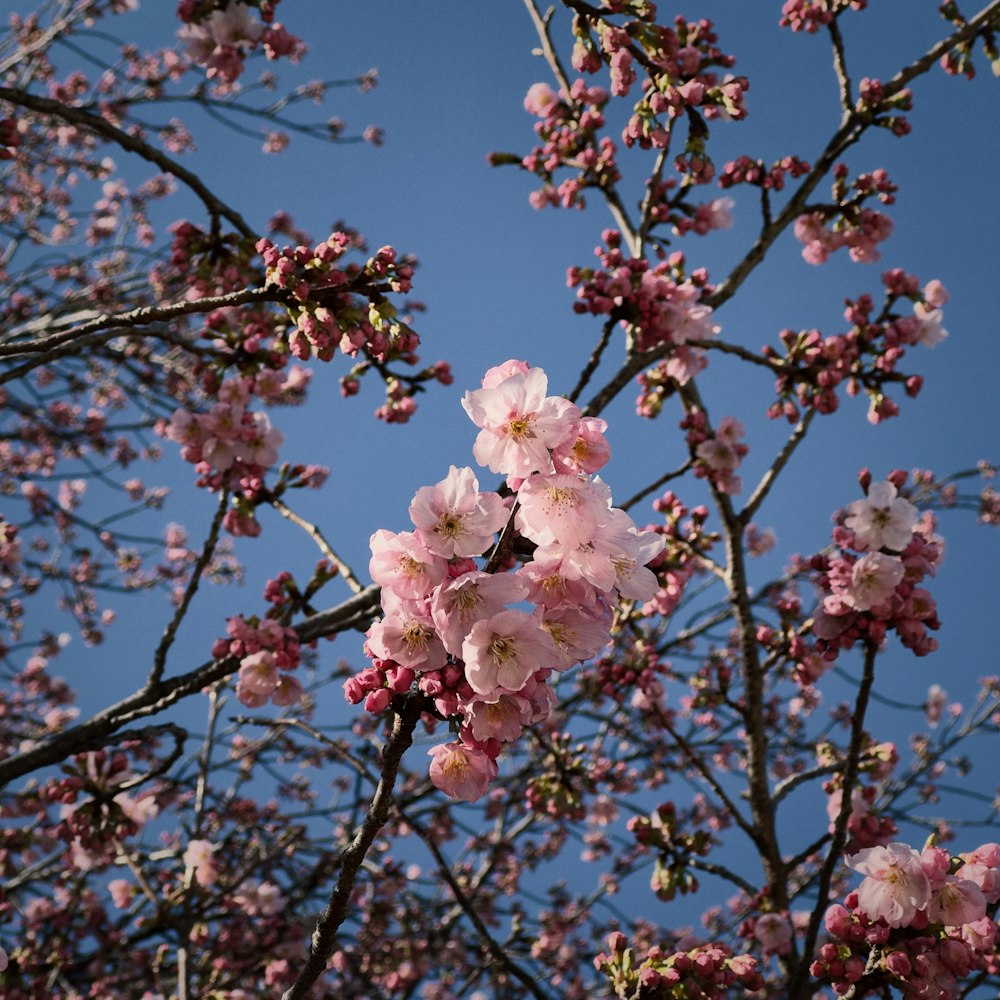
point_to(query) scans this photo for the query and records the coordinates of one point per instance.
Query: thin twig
(770, 477)
(324, 546)
(133, 144)
(207, 552)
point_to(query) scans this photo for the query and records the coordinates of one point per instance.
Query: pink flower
(403, 564)
(577, 636)
(519, 424)
(198, 858)
(935, 294)
(585, 450)
(561, 509)
(505, 650)
(121, 891)
(501, 720)
(882, 520)
(409, 638)
(895, 886)
(258, 674)
(930, 332)
(461, 771)
(453, 518)
(987, 879)
(959, 901)
(874, 578)
(458, 604)
(541, 100)
(774, 932)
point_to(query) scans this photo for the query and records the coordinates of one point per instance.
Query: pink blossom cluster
(708, 971)
(871, 584)
(678, 64)
(231, 448)
(568, 132)
(637, 680)
(918, 922)
(684, 534)
(717, 453)
(96, 810)
(657, 305)
(746, 170)
(702, 219)
(847, 223)
(219, 38)
(267, 651)
(862, 236)
(810, 15)
(462, 635)
(324, 307)
(866, 358)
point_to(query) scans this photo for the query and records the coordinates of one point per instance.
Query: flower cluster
(810, 15)
(917, 922)
(870, 585)
(846, 223)
(656, 305)
(746, 170)
(267, 650)
(219, 38)
(455, 631)
(717, 454)
(866, 357)
(709, 971)
(568, 132)
(679, 64)
(324, 309)
(96, 809)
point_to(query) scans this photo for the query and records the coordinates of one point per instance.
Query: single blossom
(519, 424)
(453, 518)
(505, 650)
(562, 509)
(882, 520)
(198, 859)
(461, 771)
(774, 932)
(502, 719)
(403, 564)
(874, 577)
(959, 901)
(895, 886)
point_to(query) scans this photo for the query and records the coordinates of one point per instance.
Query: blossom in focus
(895, 886)
(505, 650)
(883, 519)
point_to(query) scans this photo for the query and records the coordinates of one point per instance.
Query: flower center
(502, 648)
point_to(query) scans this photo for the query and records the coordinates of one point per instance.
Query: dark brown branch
(324, 938)
(839, 839)
(153, 698)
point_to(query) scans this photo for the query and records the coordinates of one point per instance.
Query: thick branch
(325, 936)
(155, 697)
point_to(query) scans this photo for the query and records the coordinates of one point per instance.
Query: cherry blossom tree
(573, 743)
